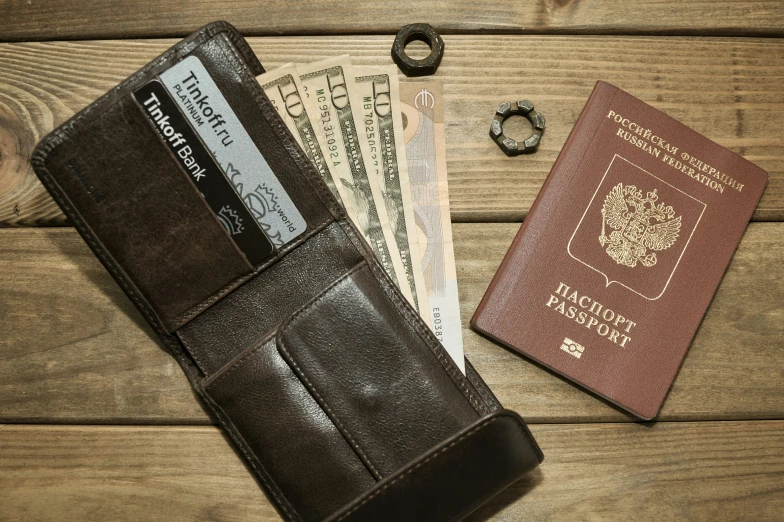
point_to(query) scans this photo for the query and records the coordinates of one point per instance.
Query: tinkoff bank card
(212, 118)
(203, 171)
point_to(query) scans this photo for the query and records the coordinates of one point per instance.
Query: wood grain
(74, 350)
(84, 473)
(666, 471)
(75, 19)
(729, 89)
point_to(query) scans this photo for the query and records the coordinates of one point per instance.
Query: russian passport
(614, 267)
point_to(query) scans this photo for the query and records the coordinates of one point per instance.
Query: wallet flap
(354, 330)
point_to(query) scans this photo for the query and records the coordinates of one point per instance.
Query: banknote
(379, 94)
(423, 133)
(282, 86)
(331, 100)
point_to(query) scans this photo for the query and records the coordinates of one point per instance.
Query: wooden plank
(665, 471)
(87, 354)
(120, 473)
(732, 90)
(74, 350)
(75, 19)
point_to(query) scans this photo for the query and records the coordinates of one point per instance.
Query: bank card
(201, 129)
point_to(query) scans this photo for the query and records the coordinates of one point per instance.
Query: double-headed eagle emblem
(637, 224)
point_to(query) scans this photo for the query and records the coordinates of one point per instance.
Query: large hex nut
(422, 33)
(520, 108)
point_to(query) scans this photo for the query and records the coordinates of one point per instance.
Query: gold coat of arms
(639, 226)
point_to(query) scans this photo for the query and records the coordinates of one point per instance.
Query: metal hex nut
(510, 146)
(422, 33)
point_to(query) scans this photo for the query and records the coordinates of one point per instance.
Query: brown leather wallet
(340, 399)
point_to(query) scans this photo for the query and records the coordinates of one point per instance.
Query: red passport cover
(621, 253)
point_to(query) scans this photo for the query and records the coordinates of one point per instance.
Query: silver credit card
(210, 115)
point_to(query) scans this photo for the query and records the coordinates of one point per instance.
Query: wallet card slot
(293, 439)
(146, 213)
(201, 168)
(257, 308)
(123, 188)
(373, 374)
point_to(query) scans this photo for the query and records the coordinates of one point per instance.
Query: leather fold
(454, 478)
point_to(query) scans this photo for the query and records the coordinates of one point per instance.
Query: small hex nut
(422, 33)
(510, 146)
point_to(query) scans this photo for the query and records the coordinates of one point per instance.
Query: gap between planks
(43, 84)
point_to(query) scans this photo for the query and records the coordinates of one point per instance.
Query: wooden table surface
(97, 422)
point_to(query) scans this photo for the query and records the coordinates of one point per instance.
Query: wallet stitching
(193, 355)
(242, 47)
(482, 389)
(445, 449)
(479, 390)
(319, 398)
(251, 457)
(232, 366)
